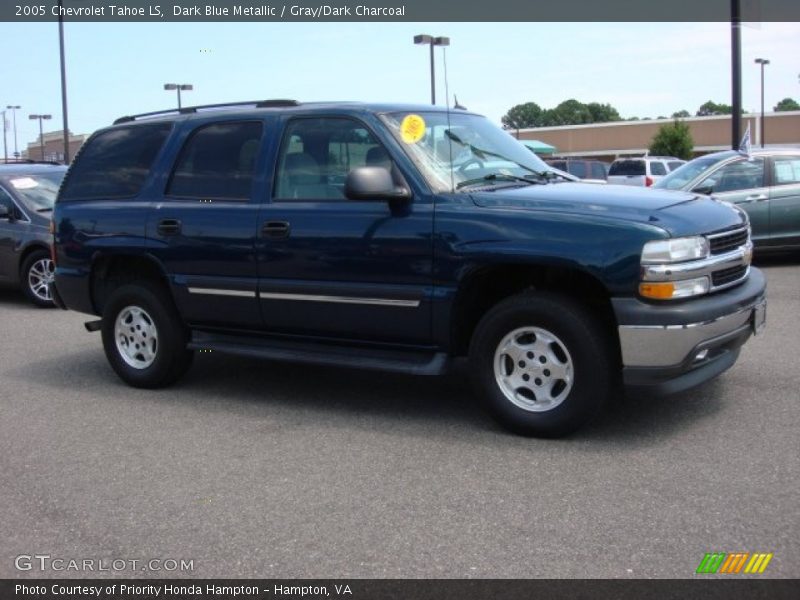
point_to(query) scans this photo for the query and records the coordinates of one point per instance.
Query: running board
(396, 361)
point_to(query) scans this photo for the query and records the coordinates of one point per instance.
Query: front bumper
(670, 347)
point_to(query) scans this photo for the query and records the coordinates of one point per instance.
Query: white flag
(744, 145)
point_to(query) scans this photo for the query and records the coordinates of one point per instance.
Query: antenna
(447, 106)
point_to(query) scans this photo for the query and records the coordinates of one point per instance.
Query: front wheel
(36, 276)
(143, 337)
(542, 364)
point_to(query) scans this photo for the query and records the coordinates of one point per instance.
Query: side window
(317, 154)
(598, 171)
(657, 168)
(8, 203)
(786, 170)
(115, 163)
(217, 161)
(674, 164)
(739, 175)
(578, 168)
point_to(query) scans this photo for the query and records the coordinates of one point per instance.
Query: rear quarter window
(627, 167)
(658, 168)
(115, 163)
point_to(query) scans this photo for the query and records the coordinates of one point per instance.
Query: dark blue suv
(397, 238)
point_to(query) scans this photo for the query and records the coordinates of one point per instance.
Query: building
(607, 141)
(54, 146)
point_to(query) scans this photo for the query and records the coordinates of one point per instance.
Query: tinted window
(739, 175)
(658, 168)
(627, 167)
(598, 171)
(37, 191)
(217, 161)
(558, 164)
(115, 163)
(675, 164)
(317, 155)
(786, 170)
(578, 168)
(7, 202)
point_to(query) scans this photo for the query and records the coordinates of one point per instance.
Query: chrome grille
(720, 243)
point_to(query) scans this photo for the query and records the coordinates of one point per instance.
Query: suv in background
(642, 172)
(590, 171)
(397, 238)
(27, 195)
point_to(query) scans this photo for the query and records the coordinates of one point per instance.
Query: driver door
(333, 267)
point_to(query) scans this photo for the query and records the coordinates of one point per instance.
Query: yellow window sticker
(412, 129)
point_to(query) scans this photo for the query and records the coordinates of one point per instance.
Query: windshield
(453, 152)
(38, 192)
(678, 179)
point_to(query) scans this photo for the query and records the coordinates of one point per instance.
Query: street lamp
(762, 62)
(41, 134)
(432, 41)
(14, 110)
(5, 140)
(178, 86)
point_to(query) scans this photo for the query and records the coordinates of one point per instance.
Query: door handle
(169, 226)
(276, 229)
(756, 198)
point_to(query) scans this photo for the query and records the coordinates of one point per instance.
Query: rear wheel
(143, 336)
(36, 276)
(541, 363)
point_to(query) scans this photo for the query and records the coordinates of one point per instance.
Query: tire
(36, 275)
(143, 336)
(511, 350)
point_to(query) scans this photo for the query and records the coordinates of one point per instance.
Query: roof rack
(194, 109)
(26, 161)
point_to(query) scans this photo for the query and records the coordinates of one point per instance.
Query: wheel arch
(110, 271)
(487, 285)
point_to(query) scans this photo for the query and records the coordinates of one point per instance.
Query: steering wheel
(472, 161)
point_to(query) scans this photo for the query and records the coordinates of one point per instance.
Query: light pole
(178, 86)
(762, 62)
(432, 41)
(41, 134)
(14, 110)
(63, 84)
(5, 141)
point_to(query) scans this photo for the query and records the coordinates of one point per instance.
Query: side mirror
(703, 189)
(373, 183)
(4, 212)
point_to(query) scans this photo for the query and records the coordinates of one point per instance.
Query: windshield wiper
(45, 209)
(496, 177)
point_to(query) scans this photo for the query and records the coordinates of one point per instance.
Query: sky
(642, 69)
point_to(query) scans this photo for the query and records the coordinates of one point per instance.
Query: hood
(679, 213)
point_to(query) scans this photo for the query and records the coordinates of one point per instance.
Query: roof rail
(194, 109)
(26, 161)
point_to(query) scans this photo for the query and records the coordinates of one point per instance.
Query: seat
(378, 157)
(301, 178)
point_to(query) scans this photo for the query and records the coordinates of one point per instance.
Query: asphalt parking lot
(255, 469)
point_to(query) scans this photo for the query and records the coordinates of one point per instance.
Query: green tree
(681, 114)
(523, 116)
(786, 104)
(712, 108)
(603, 113)
(673, 139)
(570, 112)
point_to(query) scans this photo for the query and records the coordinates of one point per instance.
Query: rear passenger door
(203, 228)
(784, 210)
(330, 266)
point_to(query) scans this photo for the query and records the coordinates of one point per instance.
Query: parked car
(398, 238)
(590, 171)
(643, 171)
(27, 194)
(766, 184)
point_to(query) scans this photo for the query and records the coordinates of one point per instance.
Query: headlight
(675, 250)
(668, 290)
